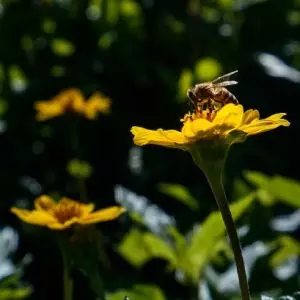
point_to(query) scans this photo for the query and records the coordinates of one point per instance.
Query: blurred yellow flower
(72, 100)
(63, 214)
(229, 124)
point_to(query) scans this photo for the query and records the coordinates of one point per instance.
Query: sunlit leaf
(62, 47)
(180, 193)
(185, 82)
(265, 197)
(287, 190)
(79, 169)
(112, 11)
(207, 68)
(15, 293)
(284, 189)
(258, 179)
(18, 80)
(240, 189)
(159, 248)
(138, 247)
(203, 245)
(288, 247)
(178, 238)
(138, 292)
(226, 4)
(132, 248)
(130, 8)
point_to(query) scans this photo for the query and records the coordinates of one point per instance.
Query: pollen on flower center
(207, 114)
(66, 211)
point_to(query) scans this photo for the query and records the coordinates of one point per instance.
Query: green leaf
(15, 293)
(180, 193)
(139, 247)
(112, 11)
(132, 249)
(207, 68)
(11, 287)
(130, 8)
(178, 238)
(286, 190)
(138, 292)
(62, 47)
(159, 248)
(240, 189)
(185, 82)
(258, 179)
(204, 243)
(79, 169)
(263, 184)
(287, 247)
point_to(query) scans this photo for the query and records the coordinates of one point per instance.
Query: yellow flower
(96, 103)
(229, 124)
(72, 100)
(63, 214)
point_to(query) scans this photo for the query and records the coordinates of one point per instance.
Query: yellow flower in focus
(72, 100)
(230, 124)
(63, 214)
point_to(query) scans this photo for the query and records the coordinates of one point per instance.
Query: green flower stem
(210, 156)
(97, 285)
(67, 280)
(220, 196)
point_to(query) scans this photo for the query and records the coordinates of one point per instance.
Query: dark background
(144, 48)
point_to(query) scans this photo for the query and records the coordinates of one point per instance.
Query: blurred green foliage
(144, 55)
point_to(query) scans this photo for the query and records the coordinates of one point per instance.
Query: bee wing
(224, 77)
(227, 83)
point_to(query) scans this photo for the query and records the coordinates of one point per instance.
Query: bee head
(190, 93)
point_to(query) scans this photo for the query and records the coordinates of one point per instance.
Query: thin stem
(67, 280)
(97, 286)
(215, 181)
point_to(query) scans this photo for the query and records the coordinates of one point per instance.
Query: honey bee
(209, 93)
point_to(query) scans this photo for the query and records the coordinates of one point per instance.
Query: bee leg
(209, 108)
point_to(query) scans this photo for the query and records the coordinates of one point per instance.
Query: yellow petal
(102, 215)
(70, 99)
(35, 217)
(65, 225)
(250, 115)
(275, 117)
(167, 138)
(229, 115)
(99, 102)
(263, 126)
(195, 128)
(48, 109)
(44, 202)
(96, 103)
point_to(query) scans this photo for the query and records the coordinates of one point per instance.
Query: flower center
(205, 110)
(65, 211)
